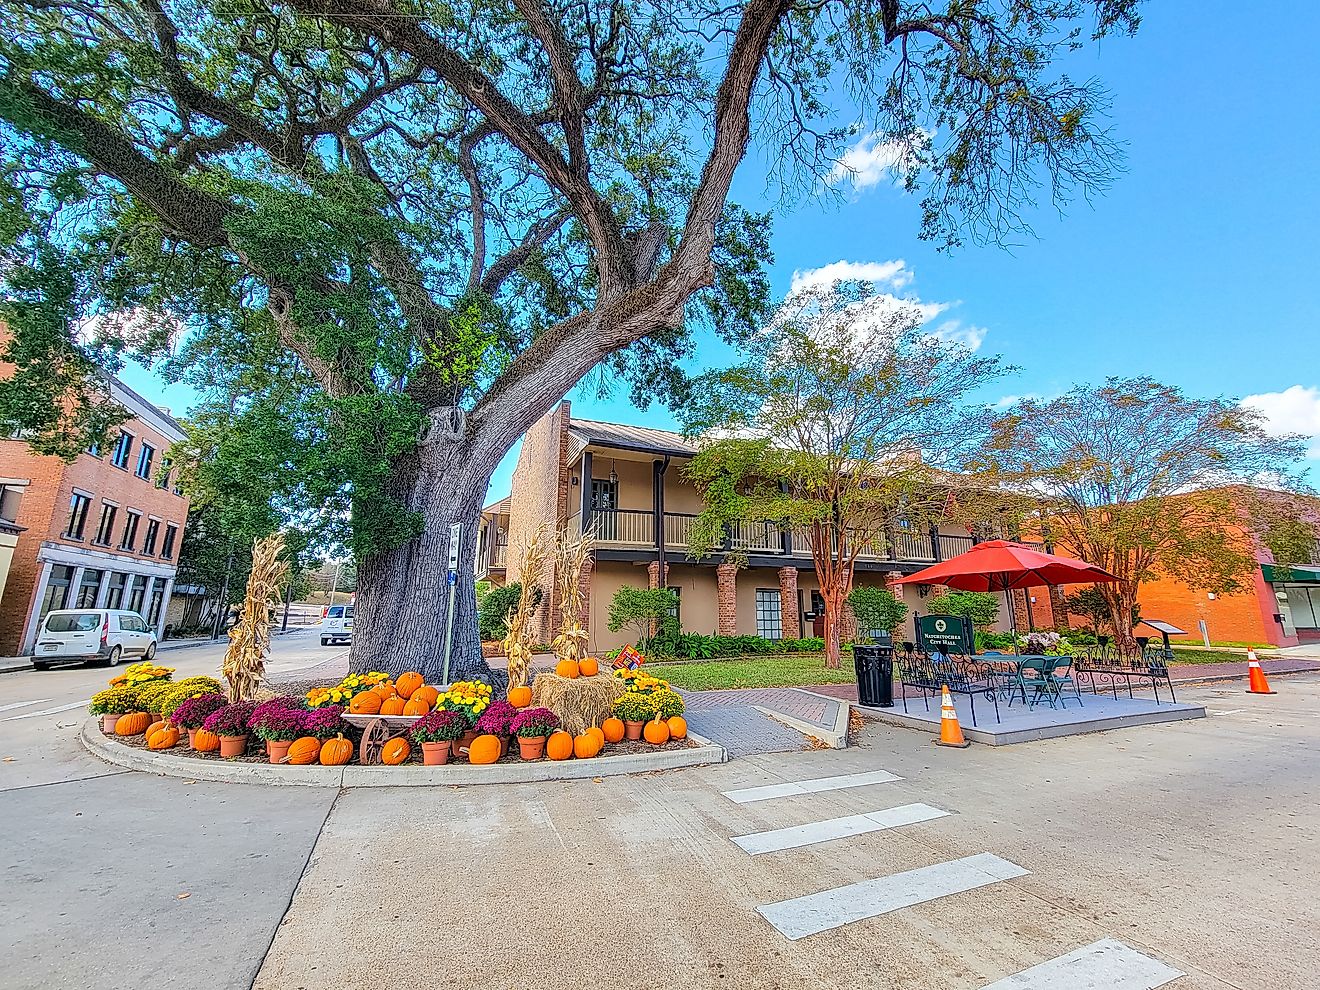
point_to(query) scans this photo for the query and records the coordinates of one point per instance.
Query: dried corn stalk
(570, 556)
(249, 640)
(518, 640)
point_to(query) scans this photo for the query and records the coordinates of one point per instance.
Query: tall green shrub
(876, 609)
(980, 608)
(493, 611)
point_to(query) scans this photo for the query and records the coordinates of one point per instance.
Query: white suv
(337, 625)
(84, 635)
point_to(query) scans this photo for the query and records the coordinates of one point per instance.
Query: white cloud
(1294, 410)
(895, 274)
(1008, 401)
(872, 160)
(969, 336)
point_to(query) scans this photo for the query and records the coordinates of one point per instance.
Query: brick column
(790, 621)
(726, 579)
(584, 585)
(653, 575)
(1019, 599)
(1059, 609)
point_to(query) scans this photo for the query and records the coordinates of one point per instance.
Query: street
(1192, 843)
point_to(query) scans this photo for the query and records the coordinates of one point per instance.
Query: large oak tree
(385, 236)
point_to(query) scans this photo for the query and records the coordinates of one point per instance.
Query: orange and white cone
(951, 733)
(1256, 683)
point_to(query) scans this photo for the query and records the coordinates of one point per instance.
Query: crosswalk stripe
(23, 704)
(48, 711)
(802, 916)
(1104, 965)
(836, 828)
(790, 787)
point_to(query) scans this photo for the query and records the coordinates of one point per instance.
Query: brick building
(102, 531)
(624, 484)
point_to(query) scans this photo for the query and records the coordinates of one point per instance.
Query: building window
(10, 497)
(167, 548)
(123, 450)
(131, 521)
(87, 589)
(136, 592)
(78, 508)
(149, 541)
(145, 456)
(56, 595)
(114, 597)
(106, 527)
(163, 479)
(677, 610)
(768, 624)
(94, 449)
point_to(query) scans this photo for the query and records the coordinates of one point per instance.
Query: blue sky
(1193, 267)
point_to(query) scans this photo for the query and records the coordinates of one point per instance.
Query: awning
(1295, 573)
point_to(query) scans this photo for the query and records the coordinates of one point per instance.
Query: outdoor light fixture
(575, 481)
(614, 475)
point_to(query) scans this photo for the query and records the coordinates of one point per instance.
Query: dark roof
(138, 397)
(624, 437)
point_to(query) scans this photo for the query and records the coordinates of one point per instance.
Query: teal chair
(1032, 676)
(1060, 679)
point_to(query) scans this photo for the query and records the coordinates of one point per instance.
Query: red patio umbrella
(1001, 565)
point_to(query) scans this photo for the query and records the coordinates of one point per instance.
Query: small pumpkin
(205, 742)
(385, 690)
(416, 706)
(559, 746)
(132, 724)
(484, 749)
(613, 729)
(585, 746)
(163, 738)
(407, 683)
(656, 732)
(304, 750)
(336, 752)
(677, 727)
(567, 668)
(158, 724)
(588, 667)
(426, 693)
(598, 734)
(393, 706)
(365, 703)
(520, 697)
(395, 752)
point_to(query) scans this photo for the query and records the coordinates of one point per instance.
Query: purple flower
(496, 718)
(231, 720)
(325, 722)
(532, 722)
(280, 718)
(192, 713)
(439, 726)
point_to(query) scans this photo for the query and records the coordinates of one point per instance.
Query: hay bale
(578, 701)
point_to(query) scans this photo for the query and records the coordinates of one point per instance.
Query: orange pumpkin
(393, 706)
(426, 693)
(520, 697)
(395, 752)
(588, 667)
(567, 668)
(416, 706)
(365, 703)
(484, 749)
(336, 752)
(559, 746)
(132, 724)
(163, 738)
(585, 746)
(304, 750)
(158, 724)
(677, 727)
(385, 690)
(599, 735)
(407, 683)
(205, 742)
(612, 728)
(656, 732)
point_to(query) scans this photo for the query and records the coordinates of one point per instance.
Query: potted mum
(192, 713)
(634, 709)
(531, 726)
(325, 722)
(230, 723)
(111, 703)
(278, 722)
(496, 721)
(469, 699)
(436, 732)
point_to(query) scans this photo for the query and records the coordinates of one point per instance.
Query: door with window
(818, 609)
(769, 621)
(604, 508)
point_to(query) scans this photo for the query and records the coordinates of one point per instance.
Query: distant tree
(645, 611)
(1140, 479)
(493, 613)
(841, 427)
(980, 608)
(876, 608)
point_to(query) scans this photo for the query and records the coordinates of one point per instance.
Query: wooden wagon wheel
(375, 735)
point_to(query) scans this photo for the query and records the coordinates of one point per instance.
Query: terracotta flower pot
(436, 754)
(633, 730)
(192, 737)
(278, 749)
(504, 746)
(108, 724)
(466, 739)
(531, 747)
(231, 746)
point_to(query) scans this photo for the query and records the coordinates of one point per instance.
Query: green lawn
(1181, 655)
(747, 672)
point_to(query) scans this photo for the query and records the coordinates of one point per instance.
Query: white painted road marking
(23, 704)
(49, 711)
(836, 828)
(815, 913)
(1235, 711)
(791, 787)
(1103, 965)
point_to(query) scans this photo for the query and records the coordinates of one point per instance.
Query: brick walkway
(731, 718)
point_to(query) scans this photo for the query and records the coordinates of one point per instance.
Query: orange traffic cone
(950, 731)
(1256, 683)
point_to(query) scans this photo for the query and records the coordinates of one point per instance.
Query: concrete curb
(354, 775)
(835, 738)
(1181, 713)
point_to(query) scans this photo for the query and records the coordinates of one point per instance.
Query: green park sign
(947, 634)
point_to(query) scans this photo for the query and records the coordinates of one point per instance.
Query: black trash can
(875, 674)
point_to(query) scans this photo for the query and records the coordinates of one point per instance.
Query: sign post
(947, 634)
(455, 534)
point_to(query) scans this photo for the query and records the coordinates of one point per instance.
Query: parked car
(83, 635)
(337, 625)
